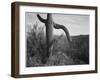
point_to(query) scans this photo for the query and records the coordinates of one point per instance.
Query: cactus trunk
(49, 32)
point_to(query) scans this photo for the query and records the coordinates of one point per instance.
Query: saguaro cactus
(49, 24)
(49, 34)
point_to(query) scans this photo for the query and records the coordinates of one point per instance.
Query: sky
(76, 24)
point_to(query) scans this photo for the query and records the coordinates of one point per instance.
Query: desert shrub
(35, 45)
(59, 58)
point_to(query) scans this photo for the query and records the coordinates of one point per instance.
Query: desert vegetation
(62, 53)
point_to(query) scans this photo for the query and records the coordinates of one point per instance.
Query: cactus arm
(41, 19)
(58, 26)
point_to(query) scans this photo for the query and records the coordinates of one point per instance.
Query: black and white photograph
(52, 39)
(56, 39)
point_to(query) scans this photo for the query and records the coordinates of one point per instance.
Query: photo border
(15, 69)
